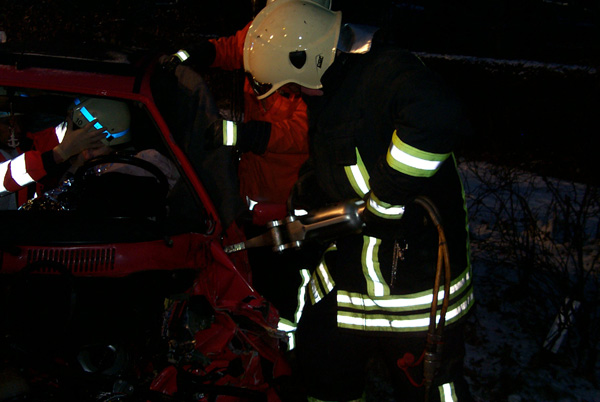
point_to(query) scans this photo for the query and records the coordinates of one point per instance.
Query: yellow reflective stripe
(229, 133)
(407, 323)
(316, 291)
(376, 285)
(383, 209)
(289, 328)
(182, 55)
(401, 303)
(447, 392)
(412, 161)
(18, 170)
(358, 176)
(305, 275)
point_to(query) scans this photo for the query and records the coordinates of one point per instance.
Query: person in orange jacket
(273, 136)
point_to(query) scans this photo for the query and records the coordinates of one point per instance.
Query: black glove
(380, 227)
(252, 136)
(169, 63)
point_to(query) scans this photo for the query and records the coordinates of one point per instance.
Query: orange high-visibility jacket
(268, 177)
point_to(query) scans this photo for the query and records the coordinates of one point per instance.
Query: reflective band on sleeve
(182, 55)
(447, 392)
(383, 209)
(321, 282)
(376, 285)
(358, 176)
(18, 170)
(229, 133)
(412, 161)
(60, 131)
(3, 169)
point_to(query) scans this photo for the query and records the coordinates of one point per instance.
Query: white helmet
(112, 115)
(324, 3)
(290, 41)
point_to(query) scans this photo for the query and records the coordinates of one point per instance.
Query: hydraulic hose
(433, 348)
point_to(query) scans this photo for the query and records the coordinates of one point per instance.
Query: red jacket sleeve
(230, 50)
(29, 166)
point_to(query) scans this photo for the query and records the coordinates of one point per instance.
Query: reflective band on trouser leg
(290, 327)
(412, 161)
(376, 285)
(358, 176)
(229, 133)
(383, 209)
(447, 392)
(402, 313)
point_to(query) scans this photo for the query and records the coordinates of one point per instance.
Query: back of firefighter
(383, 130)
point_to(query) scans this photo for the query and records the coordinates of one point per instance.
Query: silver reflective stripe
(60, 131)
(229, 133)
(412, 161)
(358, 176)
(400, 303)
(383, 209)
(18, 170)
(3, 170)
(408, 323)
(305, 275)
(376, 285)
(321, 275)
(447, 392)
(182, 55)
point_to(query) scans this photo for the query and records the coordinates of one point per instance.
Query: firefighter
(382, 128)
(273, 141)
(46, 153)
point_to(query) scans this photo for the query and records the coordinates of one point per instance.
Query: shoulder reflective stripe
(229, 133)
(383, 209)
(60, 131)
(358, 176)
(405, 323)
(412, 161)
(18, 170)
(376, 285)
(3, 170)
(401, 303)
(447, 393)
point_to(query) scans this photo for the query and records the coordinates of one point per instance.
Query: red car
(128, 303)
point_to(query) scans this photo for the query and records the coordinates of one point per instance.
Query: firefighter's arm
(429, 121)
(290, 136)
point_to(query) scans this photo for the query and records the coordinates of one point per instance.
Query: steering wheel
(125, 159)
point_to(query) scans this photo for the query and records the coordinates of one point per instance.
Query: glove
(378, 226)
(252, 136)
(170, 63)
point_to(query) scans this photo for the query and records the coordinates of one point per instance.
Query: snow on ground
(505, 360)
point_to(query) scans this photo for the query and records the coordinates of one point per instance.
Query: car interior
(118, 207)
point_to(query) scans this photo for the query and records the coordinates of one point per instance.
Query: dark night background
(526, 69)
